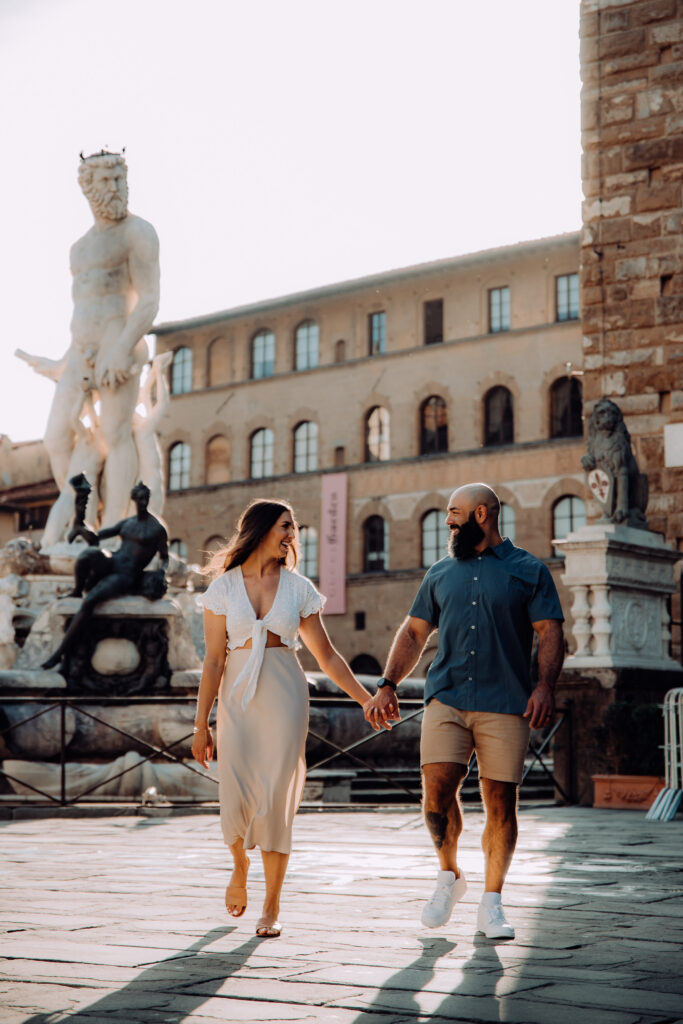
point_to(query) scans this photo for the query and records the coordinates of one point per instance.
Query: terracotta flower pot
(627, 792)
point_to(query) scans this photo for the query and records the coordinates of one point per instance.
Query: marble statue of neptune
(115, 269)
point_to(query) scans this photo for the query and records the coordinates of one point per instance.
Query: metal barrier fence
(413, 706)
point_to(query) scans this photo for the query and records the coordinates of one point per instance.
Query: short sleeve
(425, 606)
(214, 598)
(312, 600)
(545, 602)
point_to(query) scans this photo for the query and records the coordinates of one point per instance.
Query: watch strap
(383, 681)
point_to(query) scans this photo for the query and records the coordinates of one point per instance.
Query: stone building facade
(632, 241)
(408, 383)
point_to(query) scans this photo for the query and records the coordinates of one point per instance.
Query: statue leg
(62, 422)
(120, 469)
(111, 586)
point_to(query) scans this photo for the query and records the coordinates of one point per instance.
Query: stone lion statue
(609, 450)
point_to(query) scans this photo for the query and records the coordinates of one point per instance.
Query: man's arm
(550, 660)
(143, 268)
(404, 654)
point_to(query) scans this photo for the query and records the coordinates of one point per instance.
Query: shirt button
(476, 577)
(469, 679)
(473, 627)
(471, 652)
(474, 602)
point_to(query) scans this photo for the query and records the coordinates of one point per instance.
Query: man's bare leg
(442, 810)
(500, 833)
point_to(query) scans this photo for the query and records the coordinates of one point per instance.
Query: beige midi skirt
(261, 750)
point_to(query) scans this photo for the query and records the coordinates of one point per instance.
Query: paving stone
(121, 920)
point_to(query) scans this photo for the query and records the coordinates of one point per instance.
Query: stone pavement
(120, 919)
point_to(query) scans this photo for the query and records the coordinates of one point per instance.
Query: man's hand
(115, 368)
(540, 706)
(383, 708)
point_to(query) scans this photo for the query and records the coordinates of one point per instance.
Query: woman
(257, 605)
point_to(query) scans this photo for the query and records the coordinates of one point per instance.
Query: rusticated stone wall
(632, 242)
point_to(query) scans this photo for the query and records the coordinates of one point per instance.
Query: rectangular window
(359, 620)
(377, 333)
(567, 297)
(339, 455)
(33, 518)
(433, 319)
(499, 310)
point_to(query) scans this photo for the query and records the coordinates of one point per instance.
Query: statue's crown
(102, 152)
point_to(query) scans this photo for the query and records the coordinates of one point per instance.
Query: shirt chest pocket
(518, 591)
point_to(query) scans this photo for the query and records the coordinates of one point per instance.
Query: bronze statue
(79, 527)
(103, 575)
(613, 475)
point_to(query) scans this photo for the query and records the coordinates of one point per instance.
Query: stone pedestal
(620, 579)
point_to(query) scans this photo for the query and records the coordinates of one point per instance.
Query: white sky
(276, 146)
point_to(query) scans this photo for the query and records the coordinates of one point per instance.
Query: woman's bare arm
(212, 673)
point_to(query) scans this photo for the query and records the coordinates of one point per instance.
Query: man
(487, 598)
(115, 268)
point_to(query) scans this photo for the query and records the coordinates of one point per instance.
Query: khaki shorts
(500, 741)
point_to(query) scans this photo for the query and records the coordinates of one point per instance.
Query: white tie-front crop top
(296, 598)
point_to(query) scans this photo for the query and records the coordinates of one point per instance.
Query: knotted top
(296, 598)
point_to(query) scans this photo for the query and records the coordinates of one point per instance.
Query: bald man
(487, 598)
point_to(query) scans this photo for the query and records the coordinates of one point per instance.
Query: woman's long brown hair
(258, 518)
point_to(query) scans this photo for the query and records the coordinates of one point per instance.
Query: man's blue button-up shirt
(484, 608)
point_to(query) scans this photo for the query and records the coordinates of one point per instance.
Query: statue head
(140, 494)
(103, 177)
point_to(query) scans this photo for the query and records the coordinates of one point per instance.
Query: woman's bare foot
(236, 892)
(268, 926)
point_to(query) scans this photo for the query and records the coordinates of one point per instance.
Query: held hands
(540, 706)
(382, 709)
(202, 746)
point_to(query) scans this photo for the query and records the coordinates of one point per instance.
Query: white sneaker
(491, 918)
(439, 906)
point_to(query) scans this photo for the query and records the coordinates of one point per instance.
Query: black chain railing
(60, 704)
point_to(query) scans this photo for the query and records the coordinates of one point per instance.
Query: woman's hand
(382, 709)
(202, 746)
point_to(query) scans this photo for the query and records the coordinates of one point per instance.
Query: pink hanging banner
(333, 542)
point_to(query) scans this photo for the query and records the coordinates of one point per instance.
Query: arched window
(434, 537)
(306, 346)
(218, 362)
(340, 351)
(181, 371)
(261, 453)
(377, 435)
(375, 545)
(213, 544)
(566, 403)
(434, 426)
(366, 665)
(262, 354)
(305, 447)
(308, 546)
(569, 513)
(178, 547)
(506, 522)
(179, 466)
(218, 460)
(498, 417)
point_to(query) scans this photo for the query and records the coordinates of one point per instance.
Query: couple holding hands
(486, 597)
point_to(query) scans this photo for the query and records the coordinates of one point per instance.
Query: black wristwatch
(385, 682)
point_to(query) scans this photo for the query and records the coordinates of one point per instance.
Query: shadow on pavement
(156, 990)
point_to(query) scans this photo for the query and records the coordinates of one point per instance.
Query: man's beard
(462, 544)
(109, 206)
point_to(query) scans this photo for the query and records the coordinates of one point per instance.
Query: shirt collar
(501, 550)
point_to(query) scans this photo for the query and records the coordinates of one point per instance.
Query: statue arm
(110, 531)
(50, 368)
(143, 267)
(163, 551)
